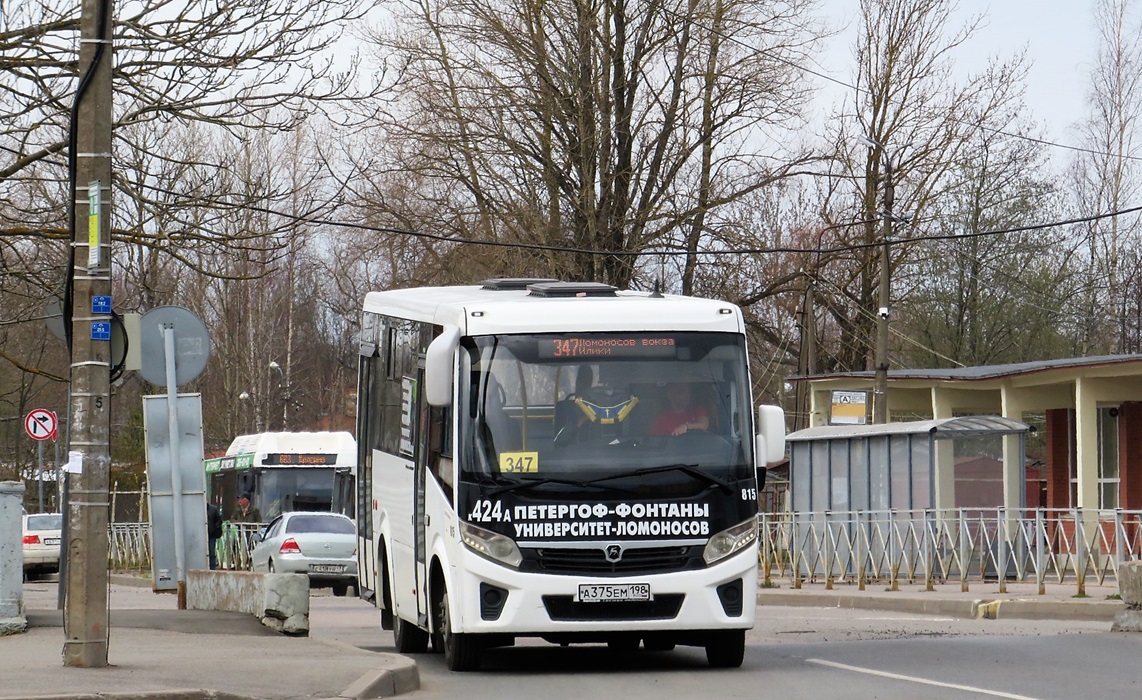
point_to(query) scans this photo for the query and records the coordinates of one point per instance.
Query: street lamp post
(258, 423)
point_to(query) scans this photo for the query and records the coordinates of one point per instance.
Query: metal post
(1080, 553)
(1119, 541)
(86, 612)
(965, 550)
(1001, 535)
(1040, 536)
(797, 556)
(40, 473)
(176, 472)
(830, 551)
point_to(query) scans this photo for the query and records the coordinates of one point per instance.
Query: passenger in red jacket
(681, 415)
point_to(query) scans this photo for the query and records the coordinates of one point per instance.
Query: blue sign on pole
(100, 330)
(101, 304)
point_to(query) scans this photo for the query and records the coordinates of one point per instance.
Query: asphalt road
(795, 653)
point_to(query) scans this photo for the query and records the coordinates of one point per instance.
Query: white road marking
(924, 681)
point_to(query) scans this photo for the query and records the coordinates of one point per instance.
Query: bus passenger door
(420, 517)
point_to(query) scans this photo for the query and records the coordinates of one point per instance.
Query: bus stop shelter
(897, 466)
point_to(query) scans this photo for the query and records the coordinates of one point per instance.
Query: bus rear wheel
(726, 649)
(462, 651)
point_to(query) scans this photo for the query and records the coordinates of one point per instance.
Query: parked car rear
(320, 545)
(42, 534)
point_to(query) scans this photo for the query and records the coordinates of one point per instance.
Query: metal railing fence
(131, 546)
(238, 540)
(1041, 546)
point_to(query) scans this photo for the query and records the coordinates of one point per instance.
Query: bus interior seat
(504, 431)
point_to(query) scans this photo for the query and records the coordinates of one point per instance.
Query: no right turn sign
(41, 424)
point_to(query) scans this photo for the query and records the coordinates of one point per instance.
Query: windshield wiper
(528, 483)
(689, 469)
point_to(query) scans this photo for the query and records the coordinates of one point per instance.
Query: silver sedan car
(321, 545)
(42, 532)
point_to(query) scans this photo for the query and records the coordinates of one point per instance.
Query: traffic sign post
(41, 424)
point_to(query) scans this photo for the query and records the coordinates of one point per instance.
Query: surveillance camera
(882, 312)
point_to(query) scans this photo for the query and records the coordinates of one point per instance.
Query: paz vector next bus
(558, 460)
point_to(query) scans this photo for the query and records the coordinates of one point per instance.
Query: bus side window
(440, 447)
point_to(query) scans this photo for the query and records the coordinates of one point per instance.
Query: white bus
(516, 477)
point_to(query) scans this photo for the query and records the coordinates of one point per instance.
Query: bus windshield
(594, 407)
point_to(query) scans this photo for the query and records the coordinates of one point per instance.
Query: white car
(321, 545)
(42, 534)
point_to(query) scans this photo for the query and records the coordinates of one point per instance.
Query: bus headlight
(490, 544)
(730, 541)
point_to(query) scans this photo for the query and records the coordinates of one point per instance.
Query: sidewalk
(157, 651)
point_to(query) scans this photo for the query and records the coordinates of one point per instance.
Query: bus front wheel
(462, 652)
(726, 649)
(409, 638)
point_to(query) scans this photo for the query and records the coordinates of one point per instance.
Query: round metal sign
(191, 344)
(41, 424)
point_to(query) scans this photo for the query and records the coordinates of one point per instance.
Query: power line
(302, 218)
(843, 83)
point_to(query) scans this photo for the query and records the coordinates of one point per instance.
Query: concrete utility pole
(807, 358)
(86, 604)
(880, 386)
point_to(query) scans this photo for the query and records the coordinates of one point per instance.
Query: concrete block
(285, 595)
(1128, 621)
(11, 555)
(12, 625)
(1130, 583)
(280, 601)
(234, 591)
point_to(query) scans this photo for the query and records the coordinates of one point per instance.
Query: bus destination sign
(571, 347)
(299, 459)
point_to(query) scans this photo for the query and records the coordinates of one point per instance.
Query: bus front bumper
(495, 599)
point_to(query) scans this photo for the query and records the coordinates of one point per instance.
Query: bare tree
(911, 117)
(589, 124)
(1106, 180)
(198, 68)
(988, 299)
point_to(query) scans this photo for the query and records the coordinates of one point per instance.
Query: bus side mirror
(770, 440)
(439, 364)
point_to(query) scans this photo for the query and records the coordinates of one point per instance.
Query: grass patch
(1114, 596)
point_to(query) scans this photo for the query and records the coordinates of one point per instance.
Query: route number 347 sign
(41, 424)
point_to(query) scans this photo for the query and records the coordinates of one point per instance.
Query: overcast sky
(1059, 37)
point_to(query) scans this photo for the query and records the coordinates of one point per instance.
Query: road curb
(1024, 609)
(990, 609)
(384, 683)
(397, 674)
(172, 694)
(935, 606)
